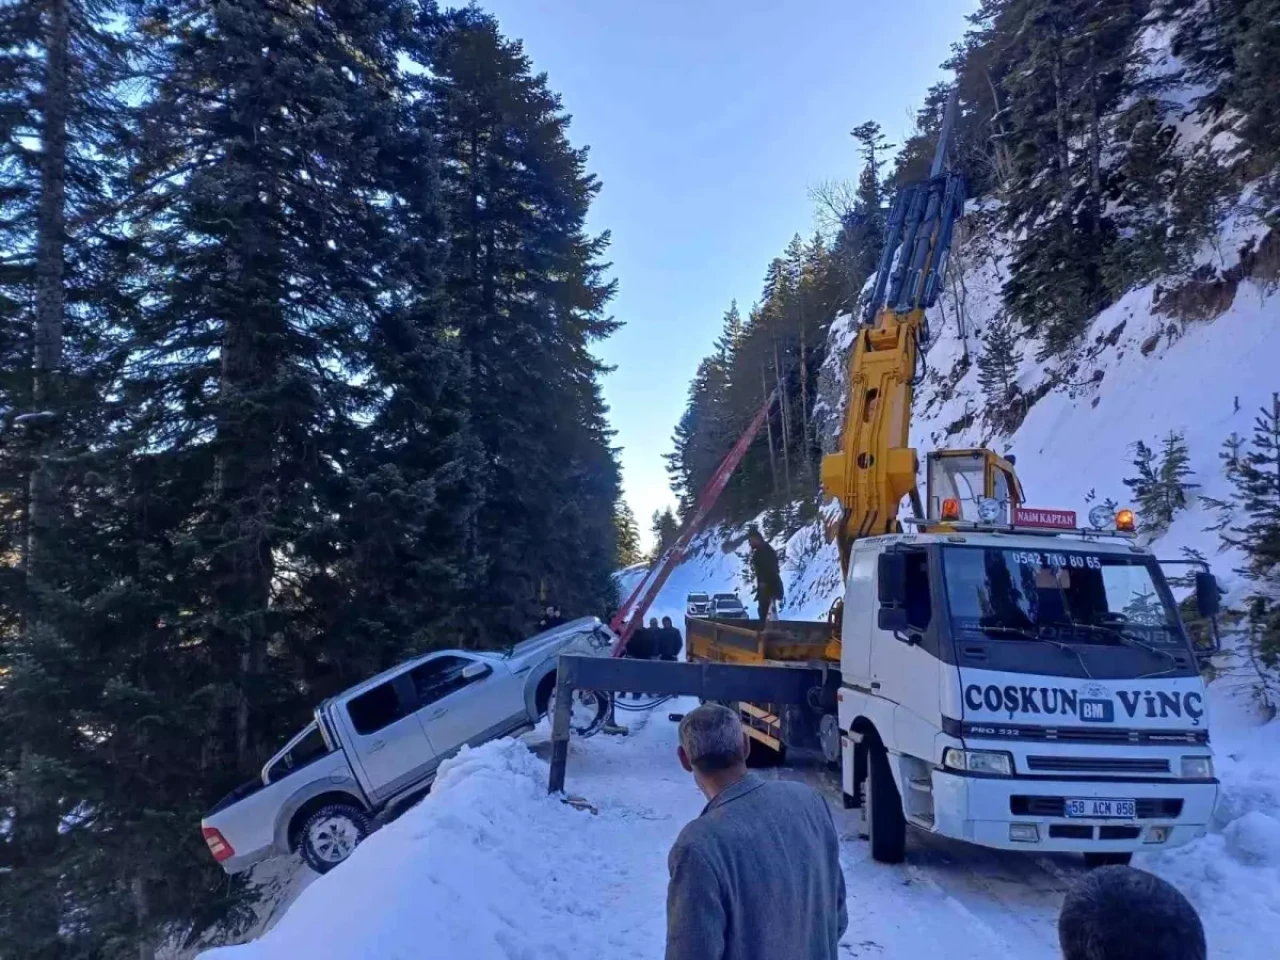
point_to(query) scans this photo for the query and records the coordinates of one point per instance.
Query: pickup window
(375, 709)
(310, 747)
(436, 679)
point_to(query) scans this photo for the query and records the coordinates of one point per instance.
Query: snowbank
(485, 867)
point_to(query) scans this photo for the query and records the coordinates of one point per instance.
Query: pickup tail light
(218, 845)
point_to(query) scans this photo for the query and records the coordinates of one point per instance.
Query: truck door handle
(437, 714)
(377, 745)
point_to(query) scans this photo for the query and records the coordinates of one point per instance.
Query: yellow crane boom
(875, 466)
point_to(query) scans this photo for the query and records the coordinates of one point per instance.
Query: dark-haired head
(1118, 913)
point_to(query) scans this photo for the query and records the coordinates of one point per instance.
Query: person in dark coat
(764, 564)
(641, 642)
(550, 618)
(670, 643)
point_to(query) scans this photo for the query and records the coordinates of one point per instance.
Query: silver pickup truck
(379, 743)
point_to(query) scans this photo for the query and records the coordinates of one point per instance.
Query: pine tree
(998, 365)
(629, 552)
(1160, 488)
(1146, 486)
(1257, 489)
(525, 283)
(63, 64)
(1173, 473)
(665, 529)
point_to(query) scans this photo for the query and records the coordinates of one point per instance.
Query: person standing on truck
(764, 564)
(670, 643)
(757, 876)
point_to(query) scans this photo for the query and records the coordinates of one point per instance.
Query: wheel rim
(333, 838)
(829, 736)
(584, 711)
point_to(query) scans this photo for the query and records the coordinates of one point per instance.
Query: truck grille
(1097, 765)
(1148, 808)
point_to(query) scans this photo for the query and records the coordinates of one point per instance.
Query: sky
(708, 123)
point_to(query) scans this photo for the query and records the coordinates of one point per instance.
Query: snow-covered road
(488, 867)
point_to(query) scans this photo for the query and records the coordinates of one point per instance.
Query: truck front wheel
(882, 810)
(330, 834)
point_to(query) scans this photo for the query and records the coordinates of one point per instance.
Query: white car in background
(728, 606)
(697, 605)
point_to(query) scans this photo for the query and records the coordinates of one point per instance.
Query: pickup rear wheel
(882, 810)
(330, 834)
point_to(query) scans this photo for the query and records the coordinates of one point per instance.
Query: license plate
(1089, 807)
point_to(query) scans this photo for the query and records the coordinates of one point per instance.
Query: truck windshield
(1075, 597)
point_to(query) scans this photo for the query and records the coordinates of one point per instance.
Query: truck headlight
(1197, 768)
(978, 761)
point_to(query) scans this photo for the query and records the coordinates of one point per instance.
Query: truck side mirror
(891, 579)
(893, 619)
(1208, 596)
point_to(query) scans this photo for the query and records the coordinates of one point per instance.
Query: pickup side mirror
(1208, 595)
(475, 670)
(891, 579)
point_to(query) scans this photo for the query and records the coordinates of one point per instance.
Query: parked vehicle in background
(697, 605)
(728, 606)
(381, 742)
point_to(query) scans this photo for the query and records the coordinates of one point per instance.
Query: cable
(633, 707)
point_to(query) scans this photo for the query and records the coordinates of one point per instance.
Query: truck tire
(883, 810)
(330, 834)
(1095, 860)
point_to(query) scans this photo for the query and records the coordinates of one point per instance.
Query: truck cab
(1023, 691)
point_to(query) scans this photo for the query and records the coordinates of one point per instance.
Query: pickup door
(466, 700)
(391, 745)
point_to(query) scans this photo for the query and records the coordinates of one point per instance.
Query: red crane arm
(625, 620)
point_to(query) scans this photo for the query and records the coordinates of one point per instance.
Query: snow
(489, 867)
(1232, 876)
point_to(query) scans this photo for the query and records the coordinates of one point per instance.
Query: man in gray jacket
(757, 876)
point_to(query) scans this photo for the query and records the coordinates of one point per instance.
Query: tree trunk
(1060, 119)
(786, 417)
(768, 423)
(1095, 147)
(1000, 149)
(142, 914)
(50, 260)
(35, 828)
(806, 464)
(244, 562)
